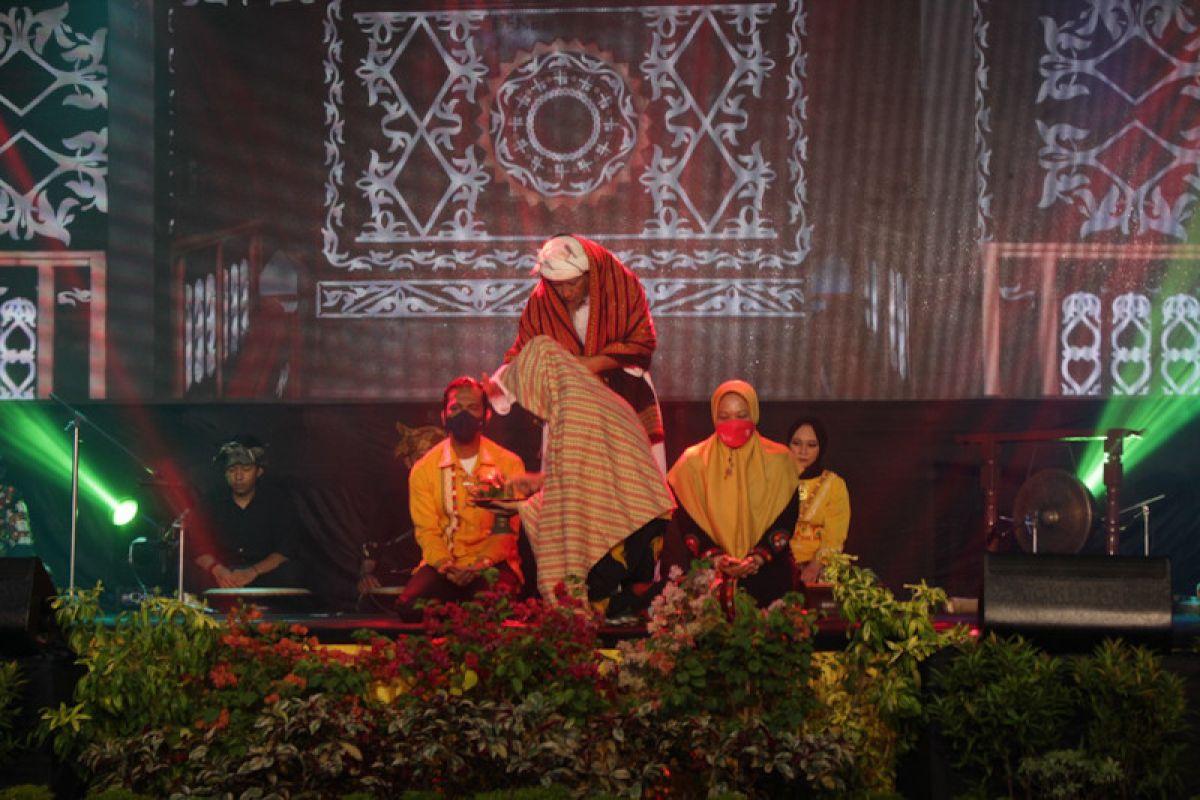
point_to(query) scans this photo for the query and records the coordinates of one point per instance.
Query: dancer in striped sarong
(600, 499)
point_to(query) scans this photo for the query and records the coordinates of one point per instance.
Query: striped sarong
(601, 480)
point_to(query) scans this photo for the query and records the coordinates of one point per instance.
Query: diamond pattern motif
(45, 64)
(1100, 168)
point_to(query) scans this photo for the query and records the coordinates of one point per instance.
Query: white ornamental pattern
(1085, 57)
(452, 235)
(983, 126)
(1181, 345)
(1081, 343)
(18, 349)
(597, 152)
(70, 63)
(1130, 340)
(410, 131)
(722, 123)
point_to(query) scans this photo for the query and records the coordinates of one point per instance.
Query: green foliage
(1069, 775)
(494, 648)
(872, 690)
(514, 699)
(1001, 704)
(117, 794)
(1135, 714)
(11, 684)
(1000, 701)
(27, 792)
(169, 671)
(752, 665)
(324, 746)
(532, 793)
(141, 671)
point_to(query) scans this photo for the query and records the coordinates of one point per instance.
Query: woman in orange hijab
(737, 499)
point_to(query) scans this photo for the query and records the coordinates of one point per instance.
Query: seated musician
(247, 533)
(824, 517)
(458, 539)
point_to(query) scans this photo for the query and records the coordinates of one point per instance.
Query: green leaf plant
(872, 690)
(1109, 724)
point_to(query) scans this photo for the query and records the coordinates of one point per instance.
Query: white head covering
(561, 259)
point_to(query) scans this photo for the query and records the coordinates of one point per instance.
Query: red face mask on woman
(734, 433)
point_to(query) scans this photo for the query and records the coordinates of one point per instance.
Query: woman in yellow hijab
(737, 499)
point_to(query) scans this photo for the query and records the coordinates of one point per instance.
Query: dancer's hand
(525, 484)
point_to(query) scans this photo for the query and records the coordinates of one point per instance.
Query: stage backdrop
(341, 199)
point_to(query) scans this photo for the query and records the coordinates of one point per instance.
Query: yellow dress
(824, 518)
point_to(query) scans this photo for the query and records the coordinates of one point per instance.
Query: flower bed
(505, 695)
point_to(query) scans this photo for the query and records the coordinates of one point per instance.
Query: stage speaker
(25, 614)
(1068, 603)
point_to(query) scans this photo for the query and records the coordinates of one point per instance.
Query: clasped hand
(233, 578)
(461, 576)
(739, 567)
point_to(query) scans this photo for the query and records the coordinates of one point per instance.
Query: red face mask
(734, 433)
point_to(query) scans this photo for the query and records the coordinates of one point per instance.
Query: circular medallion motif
(563, 123)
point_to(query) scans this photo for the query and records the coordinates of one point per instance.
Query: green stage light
(27, 431)
(1159, 418)
(124, 512)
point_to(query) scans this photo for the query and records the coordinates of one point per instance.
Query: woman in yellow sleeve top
(824, 517)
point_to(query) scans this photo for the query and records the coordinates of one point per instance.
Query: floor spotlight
(124, 512)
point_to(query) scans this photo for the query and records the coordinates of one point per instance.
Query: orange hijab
(734, 495)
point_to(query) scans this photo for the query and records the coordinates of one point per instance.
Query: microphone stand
(77, 420)
(1143, 509)
(74, 427)
(179, 526)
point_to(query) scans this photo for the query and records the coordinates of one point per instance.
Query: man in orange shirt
(458, 539)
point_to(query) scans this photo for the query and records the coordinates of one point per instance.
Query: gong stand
(1114, 446)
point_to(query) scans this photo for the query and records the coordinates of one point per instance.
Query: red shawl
(619, 323)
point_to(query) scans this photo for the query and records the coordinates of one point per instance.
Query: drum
(265, 598)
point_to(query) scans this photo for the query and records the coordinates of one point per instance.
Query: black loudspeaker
(25, 614)
(1071, 602)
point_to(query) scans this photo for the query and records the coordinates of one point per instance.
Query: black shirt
(240, 537)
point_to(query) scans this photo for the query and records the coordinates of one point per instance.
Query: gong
(1060, 505)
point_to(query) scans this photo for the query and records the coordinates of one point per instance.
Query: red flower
(222, 676)
(295, 680)
(271, 699)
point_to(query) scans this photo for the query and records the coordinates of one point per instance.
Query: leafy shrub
(323, 746)
(1069, 775)
(117, 794)
(999, 701)
(1003, 704)
(495, 648)
(872, 690)
(27, 792)
(141, 671)
(169, 669)
(11, 684)
(533, 793)
(1135, 714)
(753, 665)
